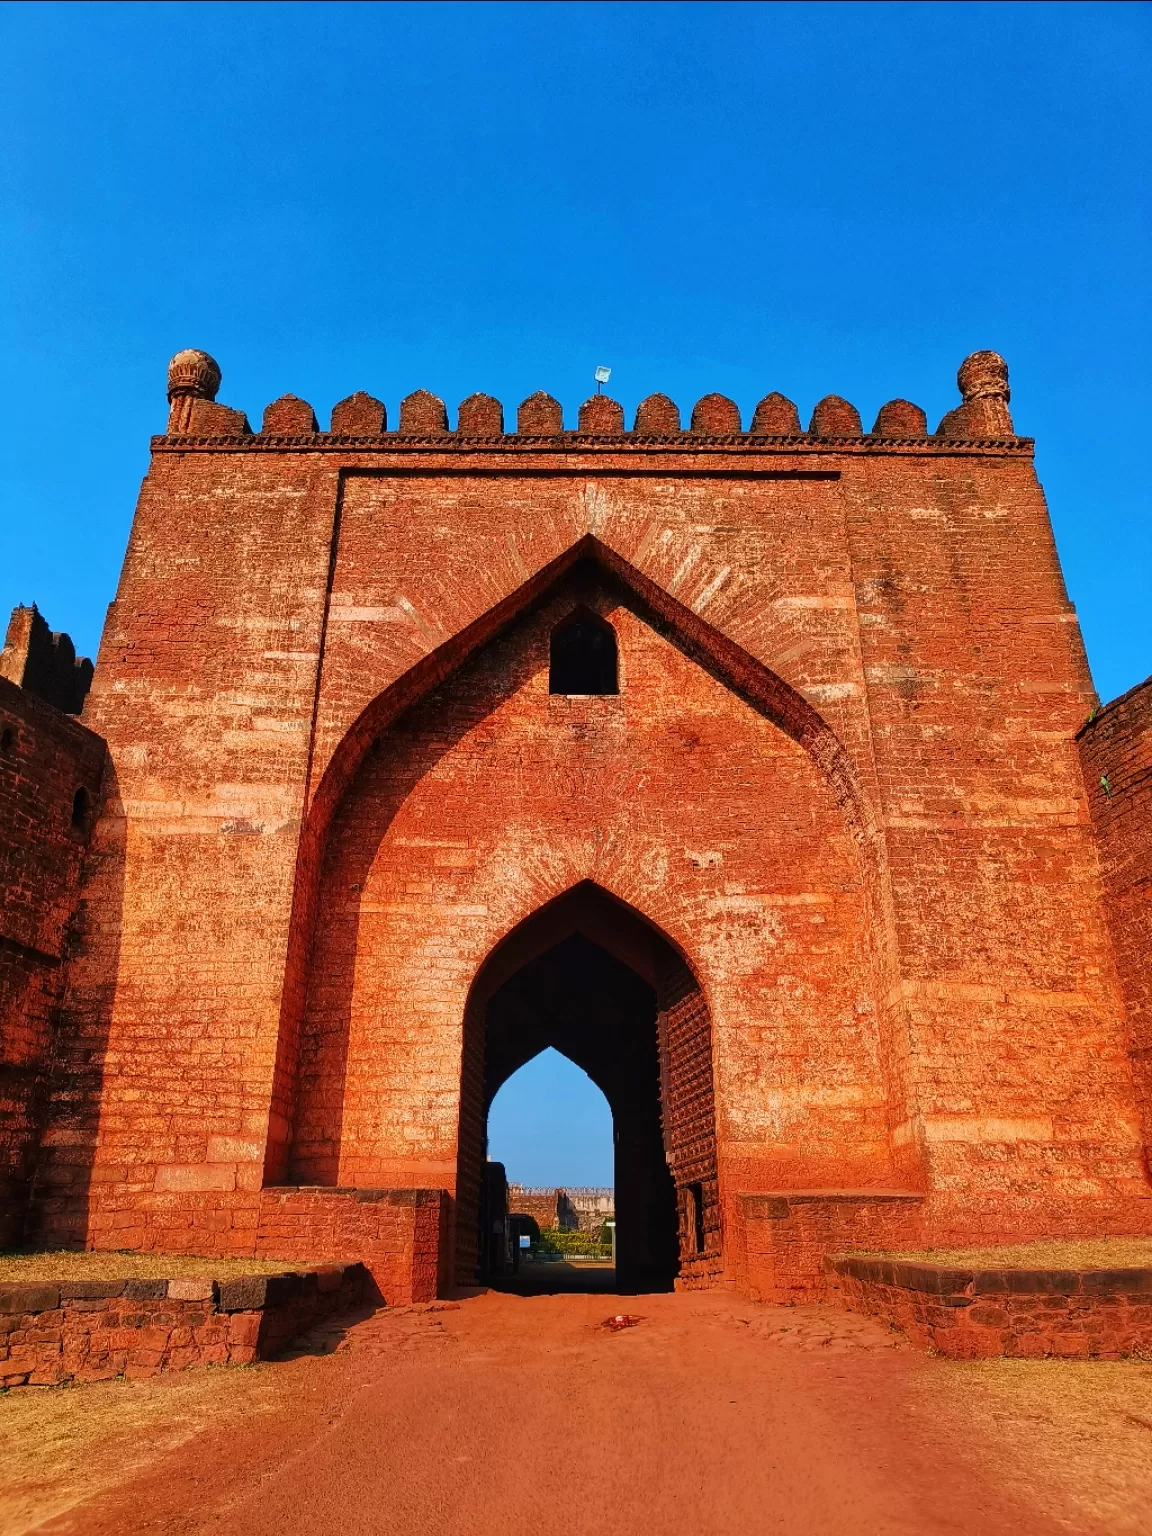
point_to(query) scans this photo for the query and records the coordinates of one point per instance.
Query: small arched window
(7, 740)
(582, 655)
(81, 807)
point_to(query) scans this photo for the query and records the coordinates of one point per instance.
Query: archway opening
(582, 655)
(551, 1149)
(589, 977)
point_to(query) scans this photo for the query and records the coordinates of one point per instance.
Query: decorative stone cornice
(685, 443)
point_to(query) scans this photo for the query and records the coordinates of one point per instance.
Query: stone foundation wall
(783, 1237)
(93, 1330)
(399, 1235)
(971, 1314)
(1116, 756)
(50, 771)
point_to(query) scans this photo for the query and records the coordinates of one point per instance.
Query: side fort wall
(826, 816)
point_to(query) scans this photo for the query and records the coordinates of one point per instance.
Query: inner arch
(551, 1127)
(590, 977)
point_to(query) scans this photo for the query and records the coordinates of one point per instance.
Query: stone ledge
(970, 1312)
(591, 443)
(93, 1330)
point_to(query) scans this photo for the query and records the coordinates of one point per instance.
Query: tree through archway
(590, 977)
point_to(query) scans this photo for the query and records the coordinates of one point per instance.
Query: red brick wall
(841, 777)
(688, 1107)
(543, 1207)
(1116, 752)
(45, 758)
(972, 1314)
(81, 1331)
(491, 798)
(399, 1235)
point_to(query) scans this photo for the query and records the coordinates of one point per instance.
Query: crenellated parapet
(981, 419)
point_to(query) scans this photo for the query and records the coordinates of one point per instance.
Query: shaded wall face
(45, 760)
(1116, 752)
(491, 798)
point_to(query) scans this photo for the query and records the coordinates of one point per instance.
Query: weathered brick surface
(85, 1331)
(46, 760)
(1116, 753)
(399, 1235)
(839, 779)
(543, 1205)
(971, 1314)
(43, 662)
(781, 1242)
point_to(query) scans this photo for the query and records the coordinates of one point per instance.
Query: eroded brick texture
(839, 780)
(50, 768)
(1116, 751)
(972, 1314)
(82, 1331)
(689, 1122)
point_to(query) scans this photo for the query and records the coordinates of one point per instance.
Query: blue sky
(814, 198)
(551, 1125)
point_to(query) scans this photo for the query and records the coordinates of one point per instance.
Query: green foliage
(572, 1245)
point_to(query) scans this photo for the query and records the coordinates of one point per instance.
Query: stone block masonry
(350, 836)
(576, 1209)
(50, 775)
(1116, 753)
(93, 1330)
(43, 662)
(975, 1314)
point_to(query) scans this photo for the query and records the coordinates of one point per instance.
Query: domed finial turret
(983, 381)
(983, 376)
(192, 375)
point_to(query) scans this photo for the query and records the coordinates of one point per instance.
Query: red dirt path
(509, 1413)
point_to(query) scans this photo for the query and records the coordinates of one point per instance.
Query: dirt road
(506, 1413)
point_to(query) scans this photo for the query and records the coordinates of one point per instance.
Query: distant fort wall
(569, 1209)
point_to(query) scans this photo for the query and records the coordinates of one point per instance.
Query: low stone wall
(92, 1330)
(975, 1314)
(399, 1235)
(781, 1237)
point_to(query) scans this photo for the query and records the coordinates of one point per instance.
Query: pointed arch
(591, 975)
(742, 674)
(582, 655)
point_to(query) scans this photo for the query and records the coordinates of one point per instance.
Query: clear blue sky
(551, 1125)
(813, 198)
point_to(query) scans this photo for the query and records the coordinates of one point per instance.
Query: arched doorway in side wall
(590, 977)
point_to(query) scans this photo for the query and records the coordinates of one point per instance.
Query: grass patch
(1045, 1253)
(1078, 1434)
(61, 1445)
(68, 1264)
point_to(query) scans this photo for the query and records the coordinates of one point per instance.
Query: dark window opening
(6, 739)
(81, 805)
(694, 1202)
(583, 656)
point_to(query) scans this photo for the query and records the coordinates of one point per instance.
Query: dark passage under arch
(589, 977)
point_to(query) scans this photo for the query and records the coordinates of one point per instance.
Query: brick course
(1116, 753)
(82, 1331)
(973, 1314)
(47, 759)
(839, 781)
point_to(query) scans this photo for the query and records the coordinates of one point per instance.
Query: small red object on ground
(621, 1320)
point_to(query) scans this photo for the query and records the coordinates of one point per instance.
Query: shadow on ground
(562, 1279)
